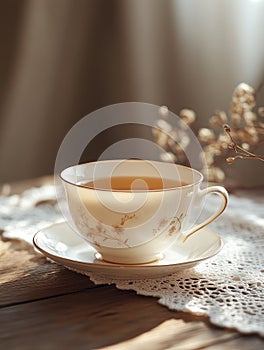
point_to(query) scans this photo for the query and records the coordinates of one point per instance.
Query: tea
(133, 183)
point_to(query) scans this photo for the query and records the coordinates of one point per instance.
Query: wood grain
(175, 334)
(246, 342)
(26, 275)
(95, 319)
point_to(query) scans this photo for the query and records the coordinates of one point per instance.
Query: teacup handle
(221, 192)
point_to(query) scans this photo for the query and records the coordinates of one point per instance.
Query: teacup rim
(135, 191)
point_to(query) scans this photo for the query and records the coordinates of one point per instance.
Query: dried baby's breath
(188, 116)
(241, 133)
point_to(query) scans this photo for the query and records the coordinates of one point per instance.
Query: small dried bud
(223, 137)
(246, 146)
(236, 107)
(222, 116)
(230, 160)
(235, 119)
(251, 101)
(223, 140)
(160, 136)
(164, 126)
(168, 157)
(206, 135)
(212, 149)
(171, 142)
(218, 119)
(227, 128)
(243, 89)
(184, 142)
(214, 174)
(175, 135)
(261, 111)
(187, 115)
(175, 148)
(243, 99)
(248, 134)
(164, 112)
(214, 121)
(155, 132)
(209, 158)
(249, 117)
(251, 130)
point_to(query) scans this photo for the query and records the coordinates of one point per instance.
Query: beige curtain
(62, 59)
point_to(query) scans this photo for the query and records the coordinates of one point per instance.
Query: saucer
(62, 245)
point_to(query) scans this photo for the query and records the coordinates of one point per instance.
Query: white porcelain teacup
(130, 211)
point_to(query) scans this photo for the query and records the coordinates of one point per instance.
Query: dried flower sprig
(248, 130)
(240, 151)
(242, 132)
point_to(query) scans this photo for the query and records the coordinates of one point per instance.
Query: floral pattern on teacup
(98, 233)
(172, 225)
(117, 236)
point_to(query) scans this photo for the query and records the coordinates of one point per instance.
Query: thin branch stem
(240, 151)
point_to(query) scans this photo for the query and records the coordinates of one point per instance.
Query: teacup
(130, 211)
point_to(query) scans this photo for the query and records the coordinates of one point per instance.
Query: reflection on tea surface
(133, 183)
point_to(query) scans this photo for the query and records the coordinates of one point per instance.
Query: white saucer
(59, 243)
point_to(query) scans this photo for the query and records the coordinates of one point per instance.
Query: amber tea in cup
(133, 183)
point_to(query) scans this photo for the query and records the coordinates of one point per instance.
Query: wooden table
(45, 306)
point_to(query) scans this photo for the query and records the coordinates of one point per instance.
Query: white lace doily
(228, 288)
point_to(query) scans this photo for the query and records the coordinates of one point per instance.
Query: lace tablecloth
(228, 288)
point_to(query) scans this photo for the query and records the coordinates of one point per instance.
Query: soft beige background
(61, 59)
